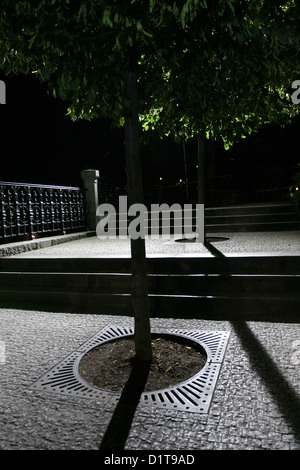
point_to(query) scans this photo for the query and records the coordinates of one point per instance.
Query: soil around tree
(109, 365)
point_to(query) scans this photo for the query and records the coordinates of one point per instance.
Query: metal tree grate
(192, 395)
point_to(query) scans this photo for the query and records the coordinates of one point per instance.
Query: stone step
(178, 265)
(252, 217)
(168, 284)
(254, 209)
(260, 308)
(252, 227)
(218, 287)
(257, 217)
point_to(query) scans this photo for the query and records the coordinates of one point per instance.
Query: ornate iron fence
(108, 191)
(30, 211)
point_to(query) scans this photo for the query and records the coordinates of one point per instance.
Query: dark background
(40, 144)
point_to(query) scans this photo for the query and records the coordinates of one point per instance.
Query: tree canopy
(83, 49)
(232, 73)
(222, 67)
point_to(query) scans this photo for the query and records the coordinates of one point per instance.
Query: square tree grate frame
(193, 395)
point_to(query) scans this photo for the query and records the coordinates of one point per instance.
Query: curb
(15, 248)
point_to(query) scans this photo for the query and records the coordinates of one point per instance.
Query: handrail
(30, 210)
(36, 185)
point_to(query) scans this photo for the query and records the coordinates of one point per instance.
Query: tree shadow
(213, 250)
(283, 394)
(118, 429)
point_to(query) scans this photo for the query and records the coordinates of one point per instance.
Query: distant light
(297, 189)
(160, 179)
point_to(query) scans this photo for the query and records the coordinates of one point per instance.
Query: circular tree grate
(209, 239)
(193, 395)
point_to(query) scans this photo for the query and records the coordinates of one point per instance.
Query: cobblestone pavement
(233, 244)
(255, 405)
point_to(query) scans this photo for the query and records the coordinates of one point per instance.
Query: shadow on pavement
(118, 429)
(283, 394)
(213, 250)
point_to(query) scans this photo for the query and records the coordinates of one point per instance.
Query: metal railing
(29, 211)
(108, 191)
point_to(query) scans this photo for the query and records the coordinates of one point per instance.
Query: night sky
(40, 144)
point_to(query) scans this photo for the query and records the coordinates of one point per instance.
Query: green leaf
(151, 5)
(31, 42)
(184, 11)
(91, 98)
(74, 84)
(106, 18)
(117, 45)
(45, 72)
(231, 6)
(230, 28)
(82, 12)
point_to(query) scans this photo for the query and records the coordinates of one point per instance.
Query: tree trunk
(185, 170)
(201, 173)
(140, 301)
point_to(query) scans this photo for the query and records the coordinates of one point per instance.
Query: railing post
(2, 92)
(90, 181)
